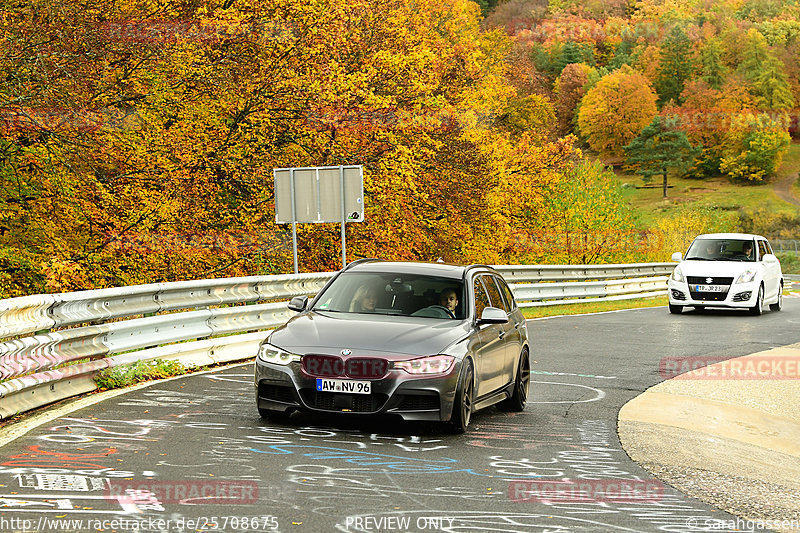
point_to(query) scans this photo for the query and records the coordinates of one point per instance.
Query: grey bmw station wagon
(422, 341)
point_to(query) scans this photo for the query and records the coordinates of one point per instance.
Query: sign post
(317, 195)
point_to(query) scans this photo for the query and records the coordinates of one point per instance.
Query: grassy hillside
(717, 193)
(758, 207)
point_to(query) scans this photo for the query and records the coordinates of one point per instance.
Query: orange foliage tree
(569, 88)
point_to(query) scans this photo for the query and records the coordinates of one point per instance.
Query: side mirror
(298, 303)
(769, 258)
(493, 315)
(677, 256)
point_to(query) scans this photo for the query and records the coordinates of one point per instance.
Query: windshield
(394, 294)
(722, 250)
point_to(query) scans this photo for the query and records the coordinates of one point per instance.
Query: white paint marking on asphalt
(599, 394)
(17, 430)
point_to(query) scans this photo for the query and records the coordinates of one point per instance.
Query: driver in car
(449, 300)
(747, 250)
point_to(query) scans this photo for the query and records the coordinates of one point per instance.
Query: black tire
(758, 308)
(465, 394)
(675, 309)
(777, 306)
(519, 398)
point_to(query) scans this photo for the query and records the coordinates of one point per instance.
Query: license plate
(710, 288)
(344, 385)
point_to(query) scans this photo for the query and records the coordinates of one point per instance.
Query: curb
(733, 443)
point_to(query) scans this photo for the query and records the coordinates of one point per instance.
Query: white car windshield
(722, 250)
(386, 293)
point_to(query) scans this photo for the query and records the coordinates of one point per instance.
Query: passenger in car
(364, 300)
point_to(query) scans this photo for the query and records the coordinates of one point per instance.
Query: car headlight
(272, 354)
(435, 364)
(677, 275)
(747, 276)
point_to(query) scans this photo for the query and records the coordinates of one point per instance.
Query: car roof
(445, 270)
(730, 236)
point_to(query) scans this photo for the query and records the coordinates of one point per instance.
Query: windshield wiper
(699, 259)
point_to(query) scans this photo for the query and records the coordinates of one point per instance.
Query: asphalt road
(191, 454)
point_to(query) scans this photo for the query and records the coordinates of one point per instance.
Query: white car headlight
(747, 276)
(677, 275)
(272, 354)
(436, 364)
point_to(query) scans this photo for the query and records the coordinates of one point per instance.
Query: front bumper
(738, 295)
(285, 388)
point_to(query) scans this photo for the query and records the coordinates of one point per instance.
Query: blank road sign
(318, 194)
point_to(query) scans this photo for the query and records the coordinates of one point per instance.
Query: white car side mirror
(769, 258)
(493, 315)
(677, 256)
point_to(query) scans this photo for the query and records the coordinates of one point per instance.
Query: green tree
(658, 148)
(486, 5)
(712, 66)
(754, 55)
(771, 86)
(591, 216)
(573, 52)
(622, 55)
(755, 151)
(675, 66)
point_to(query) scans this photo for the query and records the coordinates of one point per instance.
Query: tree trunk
(664, 171)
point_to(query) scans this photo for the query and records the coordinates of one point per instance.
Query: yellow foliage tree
(137, 146)
(614, 111)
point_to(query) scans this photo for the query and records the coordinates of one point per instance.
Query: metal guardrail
(542, 294)
(785, 246)
(548, 273)
(212, 321)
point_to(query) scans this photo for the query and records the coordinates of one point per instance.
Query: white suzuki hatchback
(727, 270)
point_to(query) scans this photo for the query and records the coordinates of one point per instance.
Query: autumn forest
(138, 137)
